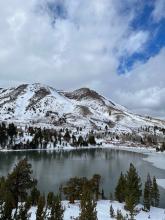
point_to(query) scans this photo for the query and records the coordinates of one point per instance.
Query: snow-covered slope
(36, 103)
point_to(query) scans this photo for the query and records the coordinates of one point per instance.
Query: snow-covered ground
(103, 211)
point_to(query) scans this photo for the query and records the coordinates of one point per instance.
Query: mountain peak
(84, 93)
(43, 105)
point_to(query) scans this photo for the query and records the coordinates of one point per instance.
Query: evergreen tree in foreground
(20, 181)
(120, 189)
(155, 193)
(147, 201)
(133, 189)
(133, 184)
(40, 215)
(95, 181)
(148, 193)
(34, 196)
(23, 212)
(88, 206)
(57, 211)
(130, 206)
(6, 208)
(50, 198)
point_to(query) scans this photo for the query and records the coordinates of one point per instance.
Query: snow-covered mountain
(43, 105)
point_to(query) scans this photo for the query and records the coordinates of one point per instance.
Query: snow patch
(103, 211)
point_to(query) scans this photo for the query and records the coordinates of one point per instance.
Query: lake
(52, 168)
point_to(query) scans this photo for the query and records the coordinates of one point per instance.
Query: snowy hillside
(40, 104)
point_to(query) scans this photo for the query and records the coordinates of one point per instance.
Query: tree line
(12, 137)
(28, 137)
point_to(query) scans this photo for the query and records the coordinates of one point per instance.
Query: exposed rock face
(37, 97)
(83, 93)
(10, 95)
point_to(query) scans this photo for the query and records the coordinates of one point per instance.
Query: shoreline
(117, 146)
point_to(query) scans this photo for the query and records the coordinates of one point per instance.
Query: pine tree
(155, 193)
(20, 181)
(50, 198)
(112, 213)
(130, 205)
(57, 211)
(67, 136)
(7, 207)
(3, 135)
(40, 215)
(12, 131)
(133, 189)
(23, 212)
(133, 183)
(121, 189)
(88, 206)
(91, 139)
(34, 196)
(148, 193)
(96, 185)
(2, 188)
(80, 141)
(146, 197)
(74, 140)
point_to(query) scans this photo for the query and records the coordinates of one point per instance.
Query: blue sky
(156, 41)
(115, 47)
